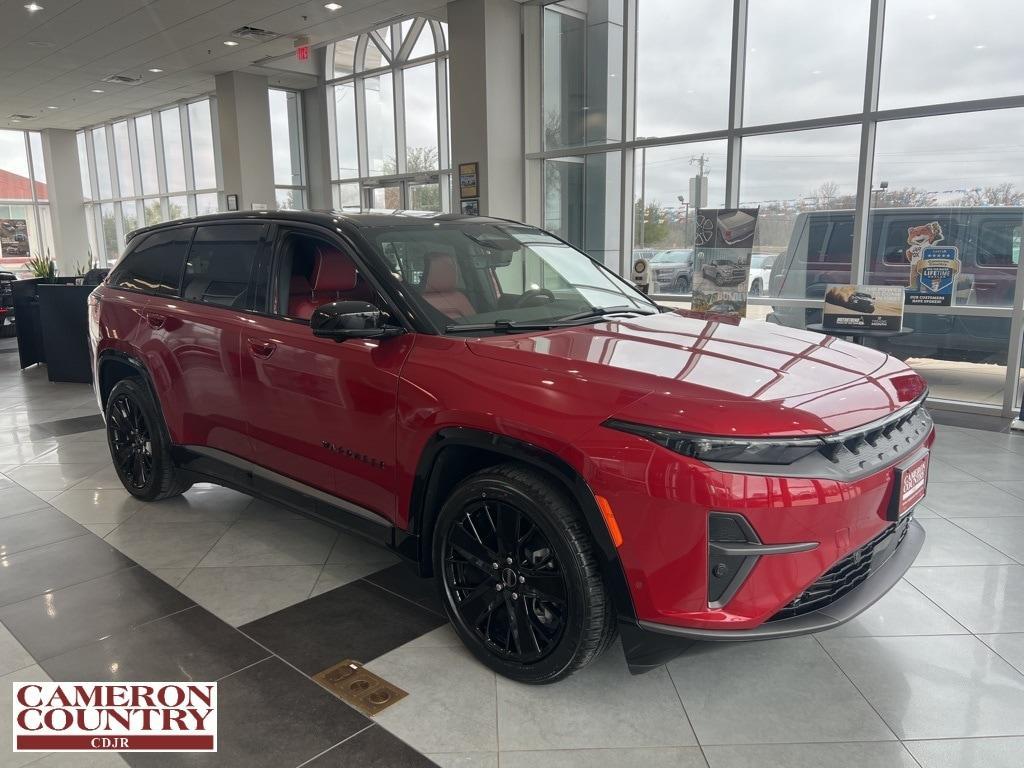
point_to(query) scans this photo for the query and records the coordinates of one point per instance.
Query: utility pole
(700, 162)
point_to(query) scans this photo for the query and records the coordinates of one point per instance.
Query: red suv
(568, 459)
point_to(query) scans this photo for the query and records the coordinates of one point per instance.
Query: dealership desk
(857, 335)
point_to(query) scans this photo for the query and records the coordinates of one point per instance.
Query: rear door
(197, 337)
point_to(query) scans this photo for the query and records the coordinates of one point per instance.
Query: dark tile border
(71, 426)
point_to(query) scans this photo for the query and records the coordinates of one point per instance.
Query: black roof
(329, 219)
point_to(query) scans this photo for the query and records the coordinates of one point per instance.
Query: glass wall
(153, 167)
(388, 115)
(857, 146)
(286, 140)
(25, 229)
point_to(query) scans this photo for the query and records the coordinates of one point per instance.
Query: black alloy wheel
(518, 575)
(505, 578)
(130, 441)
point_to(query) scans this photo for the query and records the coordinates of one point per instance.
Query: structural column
(247, 158)
(64, 193)
(485, 77)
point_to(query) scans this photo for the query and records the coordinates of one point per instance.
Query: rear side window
(220, 264)
(999, 243)
(155, 265)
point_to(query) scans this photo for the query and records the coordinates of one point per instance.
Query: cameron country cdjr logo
(140, 717)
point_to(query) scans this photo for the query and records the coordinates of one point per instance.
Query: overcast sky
(806, 59)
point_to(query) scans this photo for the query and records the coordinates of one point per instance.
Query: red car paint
(264, 389)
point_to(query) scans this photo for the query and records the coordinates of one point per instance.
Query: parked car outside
(988, 240)
(672, 271)
(724, 271)
(565, 458)
(760, 273)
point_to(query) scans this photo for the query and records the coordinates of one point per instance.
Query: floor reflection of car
(988, 241)
(562, 455)
(672, 271)
(7, 303)
(722, 271)
(760, 272)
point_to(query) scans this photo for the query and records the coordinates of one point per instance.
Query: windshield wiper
(601, 312)
(504, 325)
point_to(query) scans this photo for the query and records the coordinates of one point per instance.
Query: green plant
(42, 267)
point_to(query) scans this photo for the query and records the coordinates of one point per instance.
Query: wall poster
(469, 180)
(721, 268)
(14, 237)
(863, 307)
(934, 276)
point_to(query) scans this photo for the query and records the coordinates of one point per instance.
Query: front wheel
(139, 444)
(518, 575)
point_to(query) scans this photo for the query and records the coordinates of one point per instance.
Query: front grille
(864, 450)
(848, 573)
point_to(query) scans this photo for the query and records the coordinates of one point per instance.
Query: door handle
(156, 322)
(262, 348)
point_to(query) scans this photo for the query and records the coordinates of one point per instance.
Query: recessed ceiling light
(230, 42)
(33, 7)
(332, 7)
(155, 70)
(931, 17)
(979, 47)
(53, 107)
(97, 90)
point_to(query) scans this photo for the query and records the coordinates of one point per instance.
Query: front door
(322, 413)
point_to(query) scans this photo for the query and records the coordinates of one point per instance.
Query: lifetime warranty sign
(115, 717)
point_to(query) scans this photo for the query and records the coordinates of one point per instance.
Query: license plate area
(910, 483)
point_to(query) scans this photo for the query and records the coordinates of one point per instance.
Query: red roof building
(13, 186)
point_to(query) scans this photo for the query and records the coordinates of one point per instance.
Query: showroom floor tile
(214, 585)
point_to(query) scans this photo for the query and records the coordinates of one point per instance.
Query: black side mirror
(342, 320)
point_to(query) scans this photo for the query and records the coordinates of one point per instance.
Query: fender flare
(423, 507)
(113, 355)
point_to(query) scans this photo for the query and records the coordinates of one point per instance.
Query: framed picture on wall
(471, 207)
(232, 201)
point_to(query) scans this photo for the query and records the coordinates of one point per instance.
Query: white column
(247, 158)
(317, 143)
(64, 190)
(485, 76)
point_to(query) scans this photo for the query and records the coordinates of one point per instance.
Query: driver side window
(312, 271)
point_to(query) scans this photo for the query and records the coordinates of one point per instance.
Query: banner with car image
(721, 268)
(868, 307)
(14, 237)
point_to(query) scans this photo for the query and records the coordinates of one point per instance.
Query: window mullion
(398, 95)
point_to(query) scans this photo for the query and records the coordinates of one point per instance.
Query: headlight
(737, 450)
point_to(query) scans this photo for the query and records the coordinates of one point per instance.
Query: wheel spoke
(507, 530)
(556, 596)
(472, 550)
(526, 637)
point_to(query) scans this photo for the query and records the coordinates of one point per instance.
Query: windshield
(471, 274)
(672, 257)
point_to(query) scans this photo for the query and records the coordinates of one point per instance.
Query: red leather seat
(441, 286)
(334, 274)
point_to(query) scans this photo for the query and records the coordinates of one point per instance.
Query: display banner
(868, 307)
(933, 276)
(721, 268)
(14, 237)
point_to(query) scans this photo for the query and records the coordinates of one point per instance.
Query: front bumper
(648, 644)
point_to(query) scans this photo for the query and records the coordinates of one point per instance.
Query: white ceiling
(54, 57)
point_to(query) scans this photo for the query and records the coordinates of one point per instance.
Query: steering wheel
(526, 300)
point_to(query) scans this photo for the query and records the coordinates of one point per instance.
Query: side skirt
(209, 465)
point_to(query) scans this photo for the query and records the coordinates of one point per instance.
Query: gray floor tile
(12, 655)
(975, 499)
(24, 452)
(934, 687)
(334, 576)
(884, 754)
(73, 453)
(36, 528)
(81, 760)
(8, 757)
(350, 549)
(992, 464)
(166, 545)
(100, 529)
(173, 576)
(98, 507)
(1003, 533)
(51, 477)
(458, 716)
(664, 757)
(244, 593)
(941, 472)
(465, 759)
(15, 500)
(371, 748)
(1010, 646)
(772, 692)
(204, 503)
(102, 479)
(903, 611)
(947, 543)
(1013, 487)
(969, 753)
(272, 542)
(984, 598)
(584, 710)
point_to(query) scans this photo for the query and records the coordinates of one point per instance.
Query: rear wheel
(518, 575)
(139, 443)
(755, 288)
(683, 284)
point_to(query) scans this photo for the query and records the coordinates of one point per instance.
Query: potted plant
(42, 268)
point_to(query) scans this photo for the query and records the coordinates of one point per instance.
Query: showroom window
(145, 169)
(388, 113)
(854, 139)
(24, 200)
(286, 142)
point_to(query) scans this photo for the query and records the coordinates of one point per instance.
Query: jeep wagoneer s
(568, 460)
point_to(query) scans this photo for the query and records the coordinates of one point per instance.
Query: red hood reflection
(714, 377)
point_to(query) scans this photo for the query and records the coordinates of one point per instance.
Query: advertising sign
(721, 267)
(469, 180)
(933, 276)
(14, 237)
(867, 307)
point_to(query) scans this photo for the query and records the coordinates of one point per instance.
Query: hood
(721, 376)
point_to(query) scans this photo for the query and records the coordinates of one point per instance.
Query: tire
(554, 559)
(140, 446)
(755, 289)
(683, 285)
